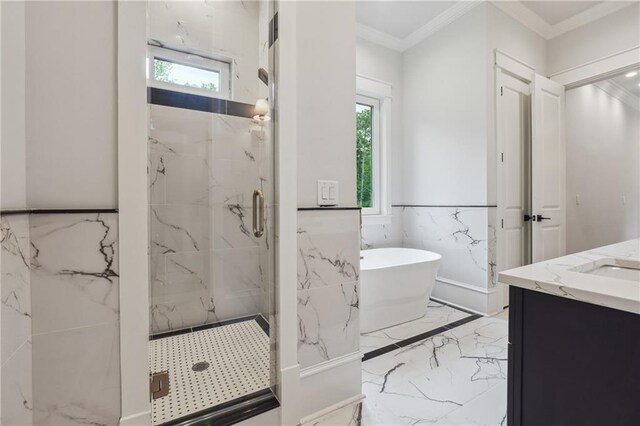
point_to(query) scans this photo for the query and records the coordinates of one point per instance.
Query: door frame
(573, 77)
(133, 218)
(500, 176)
(509, 65)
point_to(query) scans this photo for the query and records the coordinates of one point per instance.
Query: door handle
(540, 218)
(258, 213)
(527, 218)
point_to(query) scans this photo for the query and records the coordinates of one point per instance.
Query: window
(186, 72)
(373, 113)
(368, 154)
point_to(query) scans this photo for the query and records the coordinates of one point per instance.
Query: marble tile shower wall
(328, 285)
(464, 236)
(15, 370)
(69, 262)
(206, 265)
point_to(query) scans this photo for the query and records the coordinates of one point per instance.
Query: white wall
(326, 69)
(383, 64)
(518, 41)
(71, 104)
(444, 109)
(606, 36)
(328, 350)
(380, 63)
(603, 165)
(13, 148)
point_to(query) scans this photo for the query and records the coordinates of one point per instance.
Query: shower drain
(200, 366)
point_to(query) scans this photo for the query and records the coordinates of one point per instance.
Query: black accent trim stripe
(174, 99)
(478, 206)
(264, 324)
(273, 30)
(231, 412)
(306, 209)
(56, 211)
(422, 336)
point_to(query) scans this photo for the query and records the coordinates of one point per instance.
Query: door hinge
(502, 157)
(501, 91)
(502, 223)
(159, 384)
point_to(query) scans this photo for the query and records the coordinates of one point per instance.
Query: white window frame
(221, 66)
(376, 93)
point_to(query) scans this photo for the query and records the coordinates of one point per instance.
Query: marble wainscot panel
(459, 234)
(15, 365)
(386, 235)
(328, 276)
(606, 276)
(75, 286)
(206, 264)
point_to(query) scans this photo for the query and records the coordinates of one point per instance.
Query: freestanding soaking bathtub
(395, 285)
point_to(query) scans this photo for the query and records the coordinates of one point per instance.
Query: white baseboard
(328, 384)
(138, 419)
(327, 365)
(329, 411)
(475, 299)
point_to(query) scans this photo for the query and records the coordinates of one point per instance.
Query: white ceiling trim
(620, 93)
(439, 22)
(422, 33)
(379, 37)
(528, 18)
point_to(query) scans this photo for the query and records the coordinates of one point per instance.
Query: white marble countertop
(568, 276)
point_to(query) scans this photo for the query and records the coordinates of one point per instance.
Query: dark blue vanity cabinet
(571, 363)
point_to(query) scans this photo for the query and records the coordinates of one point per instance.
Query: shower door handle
(258, 213)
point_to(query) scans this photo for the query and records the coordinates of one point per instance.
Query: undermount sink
(614, 268)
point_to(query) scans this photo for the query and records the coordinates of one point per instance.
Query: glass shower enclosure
(211, 192)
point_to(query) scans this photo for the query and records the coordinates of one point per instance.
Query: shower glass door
(210, 164)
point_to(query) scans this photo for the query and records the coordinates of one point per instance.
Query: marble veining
(438, 315)
(67, 370)
(206, 264)
(459, 234)
(328, 285)
(16, 322)
(436, 380)
(568, 277)
(74, 263)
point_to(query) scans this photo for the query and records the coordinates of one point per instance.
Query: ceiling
(555, 12)
(399, 18)
(402, 24)
(630, 84)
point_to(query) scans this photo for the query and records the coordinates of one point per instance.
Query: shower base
(237, 355)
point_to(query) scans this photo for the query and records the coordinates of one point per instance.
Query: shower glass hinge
(159, 384)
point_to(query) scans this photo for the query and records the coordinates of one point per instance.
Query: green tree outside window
(364, 145)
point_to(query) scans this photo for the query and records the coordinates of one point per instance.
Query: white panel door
(514, 195)
(548, 169)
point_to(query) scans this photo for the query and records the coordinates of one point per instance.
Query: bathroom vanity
(574, 339)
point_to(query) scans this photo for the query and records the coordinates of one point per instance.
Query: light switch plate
(328, 192)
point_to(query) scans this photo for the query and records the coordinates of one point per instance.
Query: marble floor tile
(489, 408)
(437, 315)
(454, 378)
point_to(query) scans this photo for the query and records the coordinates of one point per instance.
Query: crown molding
(617, 91)
(525, 16)
(442, 20)
(588, 16)
(401, 44)
(378, 37)
(531, 20)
